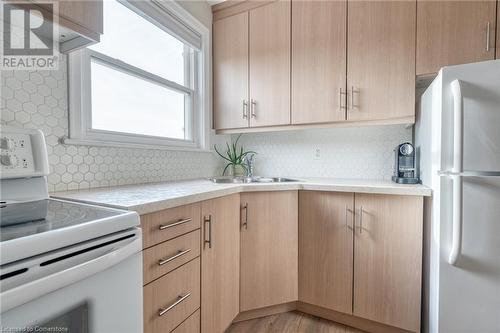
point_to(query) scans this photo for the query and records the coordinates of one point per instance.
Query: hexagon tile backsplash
(38, 99)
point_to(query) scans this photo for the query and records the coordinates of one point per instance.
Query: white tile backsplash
(38, 99)
(358, 152)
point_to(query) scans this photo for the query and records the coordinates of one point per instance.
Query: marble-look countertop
(152, 197)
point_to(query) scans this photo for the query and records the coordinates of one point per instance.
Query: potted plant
(235, 158)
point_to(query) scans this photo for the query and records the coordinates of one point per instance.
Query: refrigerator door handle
(470, 173)
(456, 242)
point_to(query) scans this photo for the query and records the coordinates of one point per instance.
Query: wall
(360, 152)
(38, 99)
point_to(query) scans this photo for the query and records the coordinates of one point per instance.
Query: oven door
(102, 293)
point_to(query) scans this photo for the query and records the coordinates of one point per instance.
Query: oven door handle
(37, 288)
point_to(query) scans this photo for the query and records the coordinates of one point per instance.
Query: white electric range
(64, 266)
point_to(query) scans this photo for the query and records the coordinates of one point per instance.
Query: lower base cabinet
(190, 325)
(365, 245)
(269, 249)
(220, 263)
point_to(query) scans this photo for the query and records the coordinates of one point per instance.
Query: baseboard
(267, 311)
(348, 320)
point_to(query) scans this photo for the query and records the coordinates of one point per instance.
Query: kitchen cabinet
(361, 254)
(454, 32)
(269, 249)
(326, 222)
(498, 32)
(80, 22)
(230, 40)
(388, 259)
(381, 60)
(319, 35)
(269, 56)
(220, 263)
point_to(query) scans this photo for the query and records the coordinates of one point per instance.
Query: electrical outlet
(317, 154)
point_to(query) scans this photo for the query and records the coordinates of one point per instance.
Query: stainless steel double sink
(247, 180)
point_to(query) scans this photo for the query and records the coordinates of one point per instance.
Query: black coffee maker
(405, 171)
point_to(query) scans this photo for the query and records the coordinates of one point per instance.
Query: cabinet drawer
(169, 300)
(169, 223)
(167, 256)
(190, 325)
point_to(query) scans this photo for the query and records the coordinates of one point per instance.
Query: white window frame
(198, 103)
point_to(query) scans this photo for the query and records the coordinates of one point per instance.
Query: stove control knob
(8, 160)
(6, 144)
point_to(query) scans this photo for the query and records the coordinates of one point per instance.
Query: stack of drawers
(171, 259)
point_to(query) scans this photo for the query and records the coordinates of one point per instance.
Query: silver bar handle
(347, 210)
(162, 262)
(488, 37)
(245, 223)
(209, 241)
(245, 109)
(253, 114)
(180, 298)
(353, 91)
(173, 224)
(361, 219)
(342, 94)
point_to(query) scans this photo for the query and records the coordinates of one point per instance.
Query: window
(143, 84)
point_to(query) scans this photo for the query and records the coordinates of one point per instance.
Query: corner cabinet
(220, 258)
(361, 255)
(454, 32)
(269, 249)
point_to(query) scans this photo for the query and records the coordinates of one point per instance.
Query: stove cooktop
(34, 217)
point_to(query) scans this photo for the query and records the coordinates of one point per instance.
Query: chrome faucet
(249, 164)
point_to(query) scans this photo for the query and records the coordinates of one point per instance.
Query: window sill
(101, 143)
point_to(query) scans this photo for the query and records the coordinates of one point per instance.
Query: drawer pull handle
(180, 298)
(162, 262)
(173, 224)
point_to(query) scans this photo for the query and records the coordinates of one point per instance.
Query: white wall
(358, 152)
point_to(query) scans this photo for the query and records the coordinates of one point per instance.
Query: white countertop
(152, 197)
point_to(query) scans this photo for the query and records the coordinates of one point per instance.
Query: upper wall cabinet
(80, 22)
(318, 61)
(230, 40)
(252, 67)
(454, 32)
(381, 60)
(270, 64)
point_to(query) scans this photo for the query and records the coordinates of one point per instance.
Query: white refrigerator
(457, 137)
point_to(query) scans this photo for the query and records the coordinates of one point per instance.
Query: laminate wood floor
(290, 322)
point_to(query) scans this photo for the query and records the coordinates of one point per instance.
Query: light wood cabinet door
(381, 59)
(388, 259)
(269, 249)
(230, 62)
(220, 263)
(326, 249)
(318, 61)
(498, 33)
(270, 64)
(454, 32)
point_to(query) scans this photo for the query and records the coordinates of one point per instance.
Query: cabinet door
(381, 59)
(270, 64)
(230, 43)
(388, 259)
(269, 249)
(318, 61)
(220, 263)
(453, 32)
(498, 33)
(326, 249)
